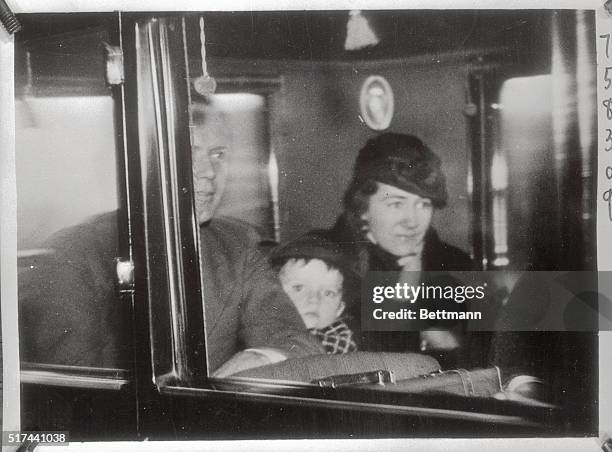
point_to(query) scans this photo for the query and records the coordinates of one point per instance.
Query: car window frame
(69, 376)
(174, 325)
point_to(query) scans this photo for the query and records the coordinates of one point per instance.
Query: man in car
(245, 306)
(72, 316)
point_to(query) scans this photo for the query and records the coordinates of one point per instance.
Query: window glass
(291, 157)
(463, 120)
(248, 192)
(68, 199)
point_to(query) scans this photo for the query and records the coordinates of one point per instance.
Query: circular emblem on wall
(376, 102)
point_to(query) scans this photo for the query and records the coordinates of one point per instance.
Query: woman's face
(398, 220)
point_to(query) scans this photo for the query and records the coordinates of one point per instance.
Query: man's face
(315, 290)
(210, 145)
(398, 220)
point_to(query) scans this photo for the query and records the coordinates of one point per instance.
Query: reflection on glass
(66, 168)
(525, 130)
(499, 184)
(67, 224)
(248, 194)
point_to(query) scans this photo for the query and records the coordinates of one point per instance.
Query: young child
(313, 273)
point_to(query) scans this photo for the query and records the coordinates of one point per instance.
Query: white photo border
(8, 239)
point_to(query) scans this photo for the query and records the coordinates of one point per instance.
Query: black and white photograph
(323, 224)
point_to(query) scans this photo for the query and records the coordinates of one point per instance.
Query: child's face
(315, 290)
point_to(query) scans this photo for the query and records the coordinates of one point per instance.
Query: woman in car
(397, 186)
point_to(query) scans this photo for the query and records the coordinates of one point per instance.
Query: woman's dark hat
(402, 161)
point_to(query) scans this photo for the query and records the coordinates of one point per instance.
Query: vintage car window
(245, 147)
(242, 134)
(70, 198)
